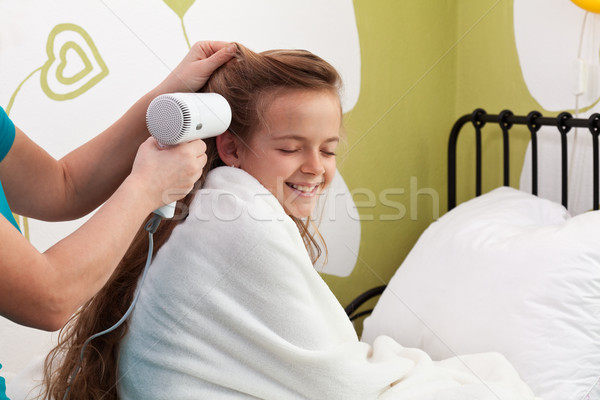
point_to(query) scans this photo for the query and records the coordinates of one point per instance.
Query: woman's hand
(168, 174)
(197, 66)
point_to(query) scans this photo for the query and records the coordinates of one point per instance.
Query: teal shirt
(7, 137)
(3, 388)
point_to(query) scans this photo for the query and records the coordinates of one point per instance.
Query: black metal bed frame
(564, 122)
(534, 121)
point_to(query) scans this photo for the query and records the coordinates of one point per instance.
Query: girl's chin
(300, 206)
(303, 212)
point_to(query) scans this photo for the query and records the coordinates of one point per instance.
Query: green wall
(489, 77)
(424, 64)
(397, 131)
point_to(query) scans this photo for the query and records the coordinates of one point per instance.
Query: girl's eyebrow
(302, 138)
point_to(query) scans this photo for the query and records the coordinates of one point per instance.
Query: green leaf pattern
(180, 7)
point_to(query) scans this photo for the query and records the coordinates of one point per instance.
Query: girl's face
(293, 154)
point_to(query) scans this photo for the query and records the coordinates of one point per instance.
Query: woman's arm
(86, 177)
(44, 290)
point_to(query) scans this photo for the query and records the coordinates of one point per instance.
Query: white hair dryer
(181, 117)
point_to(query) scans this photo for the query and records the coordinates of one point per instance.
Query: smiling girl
(274, 161)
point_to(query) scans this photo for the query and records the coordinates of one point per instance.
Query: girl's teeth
(302, 188)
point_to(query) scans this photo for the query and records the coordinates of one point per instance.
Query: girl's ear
(228, 148)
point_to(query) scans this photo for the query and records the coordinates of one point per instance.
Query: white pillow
(506, 272)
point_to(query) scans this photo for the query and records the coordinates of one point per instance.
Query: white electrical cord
(150, 227)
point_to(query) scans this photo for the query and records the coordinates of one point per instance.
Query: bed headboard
(534, 121)
(564, 122)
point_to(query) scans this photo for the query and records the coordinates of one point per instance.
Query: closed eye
(288, 151)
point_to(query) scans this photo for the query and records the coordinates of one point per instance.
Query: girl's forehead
(285, 112)
(272, 100)
(297, 106)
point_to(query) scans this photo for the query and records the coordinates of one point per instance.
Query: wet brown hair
(248, 82)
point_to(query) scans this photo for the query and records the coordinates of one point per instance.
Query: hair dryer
(182, 117)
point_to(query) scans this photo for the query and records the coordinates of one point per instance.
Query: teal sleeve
(7, 133)
(7, 137)
(6, 212)
(3, 388)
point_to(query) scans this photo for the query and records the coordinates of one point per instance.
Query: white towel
(232, 308)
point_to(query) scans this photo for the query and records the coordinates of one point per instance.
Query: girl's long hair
(249, 82)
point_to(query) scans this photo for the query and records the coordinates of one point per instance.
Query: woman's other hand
(197, 66)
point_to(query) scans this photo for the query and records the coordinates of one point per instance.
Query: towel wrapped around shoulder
(232, 308)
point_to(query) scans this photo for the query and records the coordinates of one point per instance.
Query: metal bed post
(478, 124)
(533, 128)
(456, 128)
(564, 129)
(595, 130)
(505, 125)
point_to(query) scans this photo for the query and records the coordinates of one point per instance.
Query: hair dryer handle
(166, 211)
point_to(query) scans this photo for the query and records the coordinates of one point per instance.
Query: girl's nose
(313, 164)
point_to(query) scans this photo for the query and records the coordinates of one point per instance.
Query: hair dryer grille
(168, 119)
(181, 117)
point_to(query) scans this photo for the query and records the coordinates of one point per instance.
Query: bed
(506, 271)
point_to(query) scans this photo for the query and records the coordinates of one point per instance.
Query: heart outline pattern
(55, 66)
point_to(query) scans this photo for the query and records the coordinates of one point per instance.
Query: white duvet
(232, 308)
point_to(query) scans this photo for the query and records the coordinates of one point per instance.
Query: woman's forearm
(49, 289)
(38, 186)
(86, 177)
(43, 290)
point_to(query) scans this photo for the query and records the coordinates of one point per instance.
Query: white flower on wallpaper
(325, 28)
(77, 43)
(71, 68)
(558, 46)
(550, 36)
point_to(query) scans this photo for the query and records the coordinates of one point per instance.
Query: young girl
(232, 306)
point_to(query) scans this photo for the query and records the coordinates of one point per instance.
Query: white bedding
(232, 308)
(520, 276)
